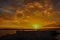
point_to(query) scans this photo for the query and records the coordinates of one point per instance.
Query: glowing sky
(26, 12)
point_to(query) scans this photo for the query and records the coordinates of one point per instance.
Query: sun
(37, 26)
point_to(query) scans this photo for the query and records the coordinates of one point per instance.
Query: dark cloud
(56, 5)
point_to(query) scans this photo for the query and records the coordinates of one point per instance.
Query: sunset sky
(24, 13)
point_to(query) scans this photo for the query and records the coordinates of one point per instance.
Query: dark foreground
(32, 35)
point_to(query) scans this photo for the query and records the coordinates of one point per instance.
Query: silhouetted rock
(31, 35)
